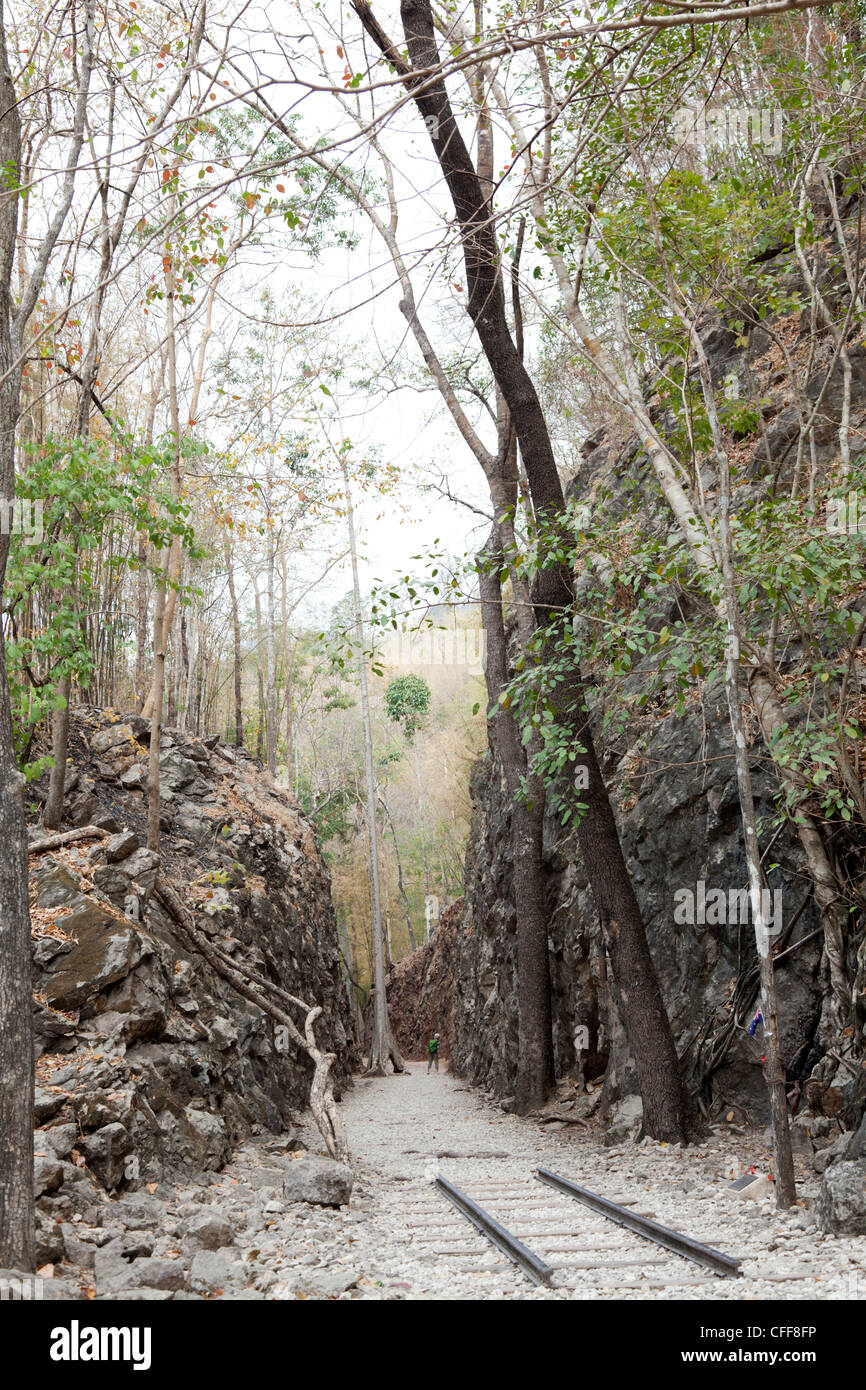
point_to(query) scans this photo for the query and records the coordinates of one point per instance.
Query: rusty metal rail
(532, 1266)
(724, 1265)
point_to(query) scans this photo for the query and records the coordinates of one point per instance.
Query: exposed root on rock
(252, 986)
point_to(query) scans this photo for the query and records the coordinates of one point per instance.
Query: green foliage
(97, 496)
(334, 816)
(407, 702)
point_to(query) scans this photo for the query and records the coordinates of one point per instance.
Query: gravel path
(233, 1234)
(400, 1239)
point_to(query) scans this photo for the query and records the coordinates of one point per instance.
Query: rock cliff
(674, 792)
(148, 1062)
(421, 991)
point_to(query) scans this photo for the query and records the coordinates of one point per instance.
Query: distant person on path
(433, 1052)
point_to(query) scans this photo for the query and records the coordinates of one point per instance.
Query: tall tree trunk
(141, 606)
(189, 662)
(401, 887)
(143, 582)
(271, 644)
(421, 825)
(236, 643)
(54, 804)
(289, 663)
(16, 1006)
(16, 1031)
(383, 1047)
(171, 571)
(535, 1072)
(154, 804)
(774, 1068)
(259, 674)
(169, 567)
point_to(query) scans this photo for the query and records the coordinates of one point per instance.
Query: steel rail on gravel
(725, 1265)
(533, 1267)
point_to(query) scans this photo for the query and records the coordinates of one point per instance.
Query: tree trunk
(16, 1005)
(173, 568)
(383, 1047)
(774, 1070)
(535, 1070)
(289, 662)
(271, 648)
(154, 805)
(831, 905)
(141, 605)
(54, 804)
(260, 727)
(236, 636)
(421, 815)
(400, 884)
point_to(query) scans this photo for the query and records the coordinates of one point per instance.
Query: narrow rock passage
(234, 1235)
(401, 1239)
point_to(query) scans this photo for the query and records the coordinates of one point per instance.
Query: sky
(355, 287)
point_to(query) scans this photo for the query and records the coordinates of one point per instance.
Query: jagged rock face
(682, 828)
(421, 991)
(674, 793)
(148, 1062)
(841, 1205)
(485, 1004)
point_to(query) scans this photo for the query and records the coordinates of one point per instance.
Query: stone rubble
(149, 1064)
(237, 1233)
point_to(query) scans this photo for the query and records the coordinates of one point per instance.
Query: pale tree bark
(270, 637)
(169, 564)
(154, 800)
(383, 1048)
(401, 887)
(774, 1068)
(54, 805)
(236, 643)
(421, 826)
(260, 723)
(288, 667)
(143, 585)
(16, 1036)
(170, 568)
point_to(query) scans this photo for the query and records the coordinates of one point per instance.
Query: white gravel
(400, 1239)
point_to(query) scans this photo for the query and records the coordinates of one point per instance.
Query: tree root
(66, 837)
(250, 985)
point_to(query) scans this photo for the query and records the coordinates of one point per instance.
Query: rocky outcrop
(673, 787)
(841, 1205)
(679, 822)
(421, 991)
(148, 1062)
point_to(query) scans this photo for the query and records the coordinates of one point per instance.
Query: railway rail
(561, 1236)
